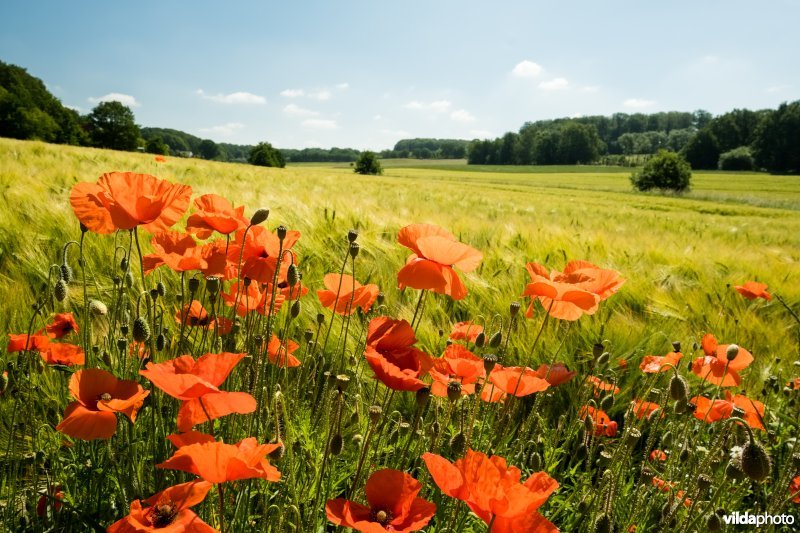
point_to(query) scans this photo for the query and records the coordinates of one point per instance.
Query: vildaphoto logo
(747, 519)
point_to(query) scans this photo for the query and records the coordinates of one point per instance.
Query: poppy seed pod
(422, 397)
(738, 412)
(603, 524)
(281, 232)
(354, 249)
(676, 346)
(458, 444)
(259, 216)
(495, 340)
(122, 345)
(453, 391)
(684, 455)
(61, 290)
(194, 285)
(754, 461)
(352, 235)
(66, 273)
(647, 475)
(154, 294)
(380, 299)
(278, 453)
(123, 264)
(733, 472)
(480, 339)
(295, 309)
(308, 335)
(320, 319)
(703, 482)
(632, 437)
(337, 443)
(513, 309)
(731, 352)
(141, 330)
(342, 381)
(796, 461)
(375, 413)
(212, 284)
(124, 328)
(489, 360)
(678, 388)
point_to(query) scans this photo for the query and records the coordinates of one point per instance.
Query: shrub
(737, 159)
(666, 171)
(266, 156)
(367, 163)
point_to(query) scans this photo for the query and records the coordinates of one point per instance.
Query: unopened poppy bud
(212, 284)
(161, 288)
(513, 309)
(141, 330)
(354, 249)
(123, 264)
(337, 443)
(61, 290)
(684, 455)
(458, 444)
(375, 413)
(161, 342)
(666, 439)
(680, 407)
(678, 387)
(3, 382)
(66, 273)
(731, 352)
(320, 319)
(733, 472)
(588, 425)
(597, 349)
(536, 461)
(603, 359)
(695, 346)
(281, 231)
(676, 346)
(713, 523)
(194, 285)
(607, 402)
(495, 340)
(381, 298)
(259, 216)
(603, 524)
(295, 309)
(489, 360)
(436, 427)
(97, 308)
(632, 437)
(278, 453)
(352, 235)
(423, 396)
(754, 461)
(453, 391)
(480, 339)
(116, 279)
(342, 381)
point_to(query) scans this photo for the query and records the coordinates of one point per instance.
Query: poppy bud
(141, 330)
(754, 461)
(124, 328)
(281, 231)
(66, 273)
(495, 340)
(680, 406)
(97, 308)
(337, 443)
(129, 278)
(194, 285)
(458, 444)
(480, 339)
(123, 264)
(603, 359)
(713, 523)
(295, 309)
(320, 318)
(597, 349)
(603, 524)
(381, 298)
(161, 342)
(212, 284)
(354, 249)
(588, 425)
(423, 396)
(733, 472)
(436, 427)
(489, 360)
(3, 382)
(536, 461)
(676, 346)
(352, 235)
(375, 413)
(116, 279)
(678, 388)
(513, 309)
(61, 291)
(453, 391)
(607, 402)
(259, 216)
(732, 352)
(684, 455)
(796, 461)
(292, 275)
(277, 453)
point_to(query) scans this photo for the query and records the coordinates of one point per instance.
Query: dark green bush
(666, 171)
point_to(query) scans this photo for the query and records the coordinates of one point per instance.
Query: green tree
(112, 125)
(578, 143)
(209, 150)
(156, 145)
(368, 163)
(702, 151)
(777, 139)
(666, 171)
(737, 159)
(264, 155)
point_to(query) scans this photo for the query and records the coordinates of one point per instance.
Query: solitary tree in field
(367, 163)
(666, 171)
(266, 156)
(112, 125)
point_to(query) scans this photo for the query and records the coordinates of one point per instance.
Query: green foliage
(266, 156)
(112, 125)
(777, 140)
(422, 148)
(156, 145)
(702, 151)
(367, 163)
(737, 159)
(208, 149)
(666, 171)
(320, 155)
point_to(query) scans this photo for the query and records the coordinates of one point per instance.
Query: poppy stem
(144, 288)
(491, 523)
(416, 311)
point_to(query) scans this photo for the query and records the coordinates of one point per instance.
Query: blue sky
(365, 74)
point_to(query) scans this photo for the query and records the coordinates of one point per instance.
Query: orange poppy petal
(449, 252)
(89, 203)
(82, 423)
(212, 406)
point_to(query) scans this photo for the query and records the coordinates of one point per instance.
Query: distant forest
(741, 139)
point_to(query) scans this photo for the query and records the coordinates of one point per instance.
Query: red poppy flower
(517, 381)
(195, 315)
(160, 159)
(465, 331)
(179, 440)
(392, 505)
(752, 290)
(177, 250)
(436, 253)
(168, 510)
(666, 486)
(569, 294)
(63, 324)
(644, 409)
(280, 353)
(652, 364)
(125, 200)
(290, 293)
(493, 490)
(658, 455)
(603, 425)
(391, 355)
(715, 367)
(259, 253)
(22, 342)
(362, 296)
(63, 354)
(601, 386)
(490, 393)
(457, 364)
(217, 462)
(99, 397)
(251, 297)
(794, 384)
(719, 409)
(52, 497)
(215, 213)
(556, 374)
(794, 489)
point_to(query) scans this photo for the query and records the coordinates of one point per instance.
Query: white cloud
(462, 115)
(377, 117)
(292, 93)
(238, 97)
(590, 88)
(556, 84)
(526, 69)
(481, 134)
(297, 111)
(224, 130)
(343, 86)
(778, 88)
(321, 94)
(438, 106)
(124, 99)
(638, 103)
(319, 124)
(75, 108)
(396, 133)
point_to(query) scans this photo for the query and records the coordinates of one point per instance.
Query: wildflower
(570, 294)
(658, 455)
(125, 200)
(752, 290)
(178, 251)
(652, 364)
(23, 342)
(99, 397)
(52, 497)
(215, 213)
(160, 159)
(392, 505)
(794, 489)
(362, 296)
(555, 374)
(436, 253)
(716, 367)
(63, 354)
(493, 491)
(517, 381)
(168, 510)
(666, 486)
(217, 462)
(392, 356)
(280, 353)
(603, 425)
(601, 386)
(62, 325)
(719, 409)
(259, 252)
(457, 364)
(644, 409)
(465, 331)
(195, 315)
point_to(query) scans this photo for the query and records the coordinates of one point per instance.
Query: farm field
(679, 256)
